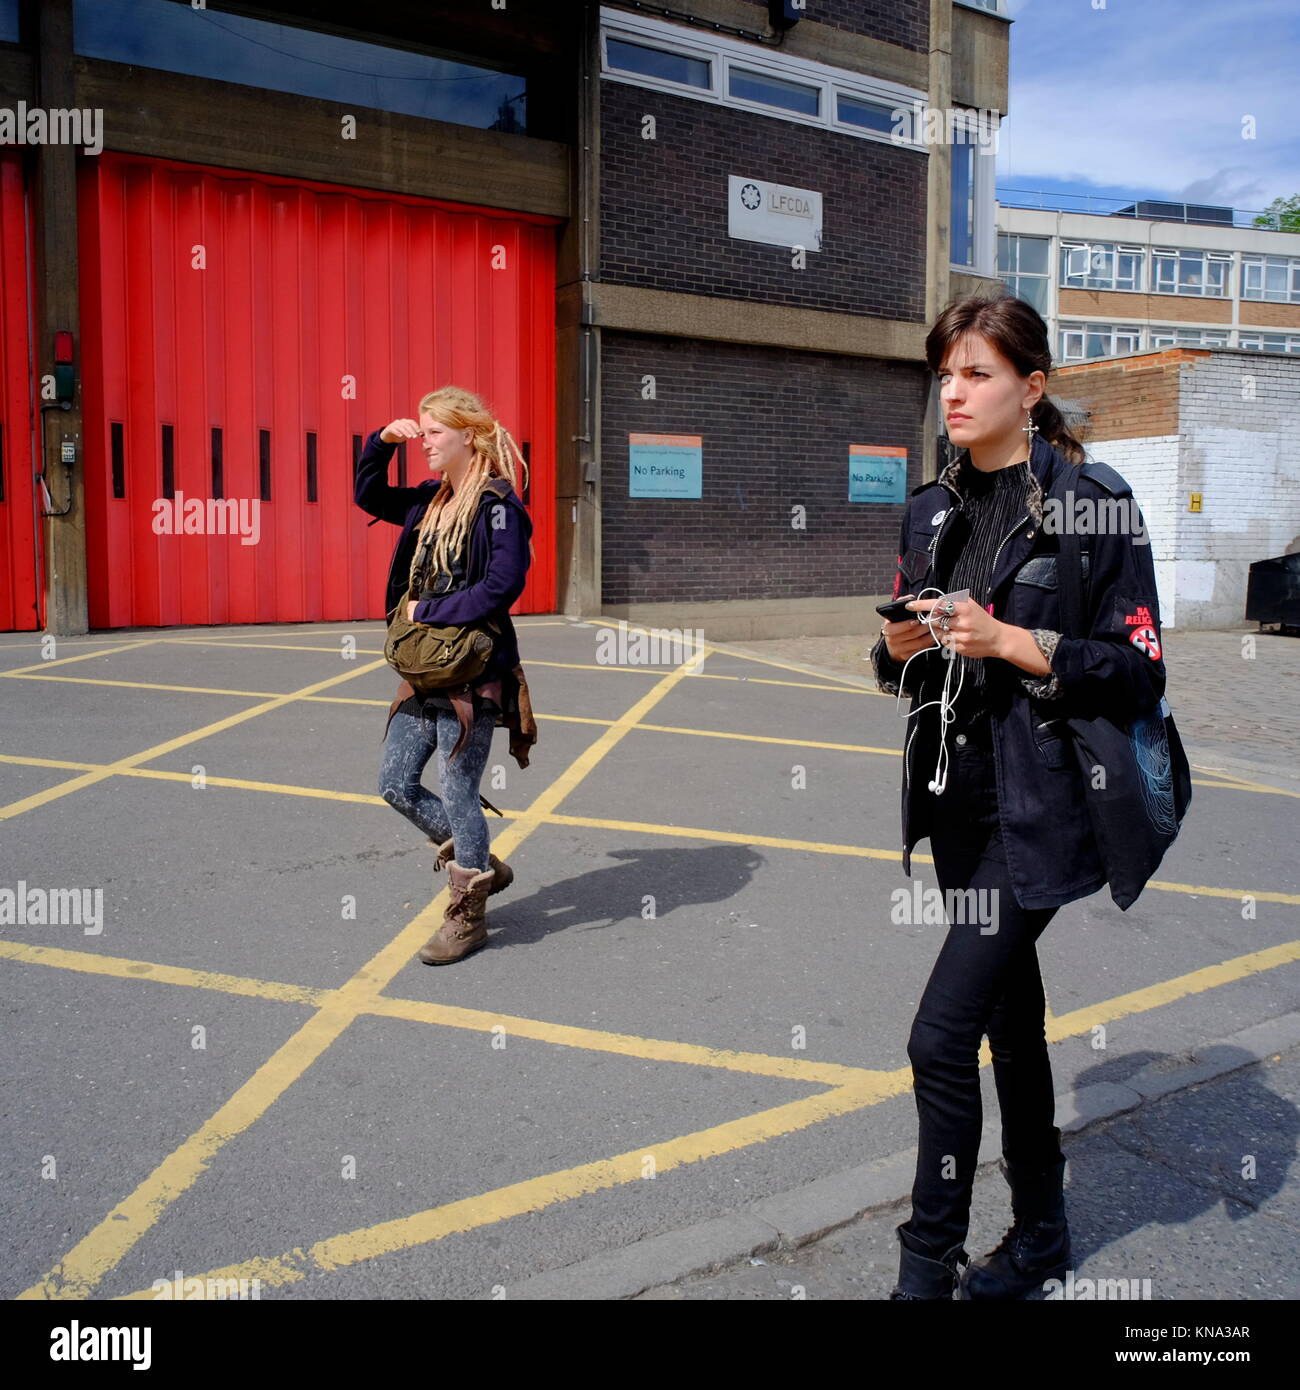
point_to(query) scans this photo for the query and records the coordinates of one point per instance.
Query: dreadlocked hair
(449, 515)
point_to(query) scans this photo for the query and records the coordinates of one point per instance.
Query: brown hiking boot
(502, 874)
(464, 926)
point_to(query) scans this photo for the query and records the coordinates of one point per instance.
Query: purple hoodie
(498, 559)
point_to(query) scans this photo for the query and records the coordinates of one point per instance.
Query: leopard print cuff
(1046, 687)
(882, 662)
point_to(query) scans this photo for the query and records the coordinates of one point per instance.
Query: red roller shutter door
(242, 334)
(21, 589)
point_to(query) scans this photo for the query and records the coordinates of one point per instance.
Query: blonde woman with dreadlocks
(465, 550)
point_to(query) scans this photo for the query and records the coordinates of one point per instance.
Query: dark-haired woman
(988, 778)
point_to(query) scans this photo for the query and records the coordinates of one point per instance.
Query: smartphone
(896, 610)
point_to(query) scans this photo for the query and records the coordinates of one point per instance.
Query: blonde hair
(493, 456)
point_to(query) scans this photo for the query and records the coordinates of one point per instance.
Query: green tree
(1282, 214)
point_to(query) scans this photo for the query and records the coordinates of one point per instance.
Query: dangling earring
(1030, 429)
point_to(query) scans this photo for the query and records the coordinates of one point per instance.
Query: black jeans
(984, 981)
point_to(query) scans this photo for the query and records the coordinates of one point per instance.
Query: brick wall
(1231, 437)
(777, 425)
(664, 207)
(1129, 397)
(904, 22)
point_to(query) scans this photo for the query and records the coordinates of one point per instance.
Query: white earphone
(946, 700)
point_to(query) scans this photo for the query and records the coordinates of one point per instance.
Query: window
(257, 53)
(992, 6)
(774, 91)
(1023, 265)
(657, 62)
(1180, 271)
(1168, 336)
(963, 205)
(1275, 278)
(972, 207)
(1100, 265)
(1269, 342)
(1080, 341)
(871, 115)
(9, 21)
(648, 52)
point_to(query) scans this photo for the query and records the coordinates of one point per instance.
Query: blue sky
(1145, 99)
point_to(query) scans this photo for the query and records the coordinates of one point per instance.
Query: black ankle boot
(1036, 1248)
(920, 1276)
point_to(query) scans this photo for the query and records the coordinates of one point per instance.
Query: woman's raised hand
(399, 430)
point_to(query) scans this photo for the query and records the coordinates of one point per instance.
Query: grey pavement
(686, 1038)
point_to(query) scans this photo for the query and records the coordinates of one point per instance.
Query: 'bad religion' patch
(1146, 639)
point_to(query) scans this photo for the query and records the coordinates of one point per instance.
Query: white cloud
(1153, 98)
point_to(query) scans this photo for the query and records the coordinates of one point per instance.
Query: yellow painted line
(1197, 889)
(729, 837)
(121, 968)
(1227, 779)
(536, 1194)
(68, 660)
(559, 718)
(444, 1015)
(268, 646)
(78, 1273)
(847, 681)
(87, 779)
(1168, 991)
(622, 1044)
(689, 832)
(554, 665)
(182, 689)
(613, 623)
(271, 694)
(765, 738)
(800, 685)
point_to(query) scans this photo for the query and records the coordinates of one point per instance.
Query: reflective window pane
(211, 43)
(654, 62)
(775, 91)
(963, 204)
(1033, 255)
(874, 116)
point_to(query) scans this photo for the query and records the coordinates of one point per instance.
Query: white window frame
(1113, 330)
(1253, 339)
(1180, 335)
(723, 53)
(1017, 275)
(998, 7)
(1208, 258)
(1114, 249)
(1259, 261)
(984, 249)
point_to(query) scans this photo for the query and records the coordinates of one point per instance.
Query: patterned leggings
(412, 740)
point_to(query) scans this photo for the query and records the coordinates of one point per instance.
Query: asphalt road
(693, 997)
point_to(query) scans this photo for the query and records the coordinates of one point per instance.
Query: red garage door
(242, 335)
(21, 592)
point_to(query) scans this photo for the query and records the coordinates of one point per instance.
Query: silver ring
(949, 607)
(943, 622)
